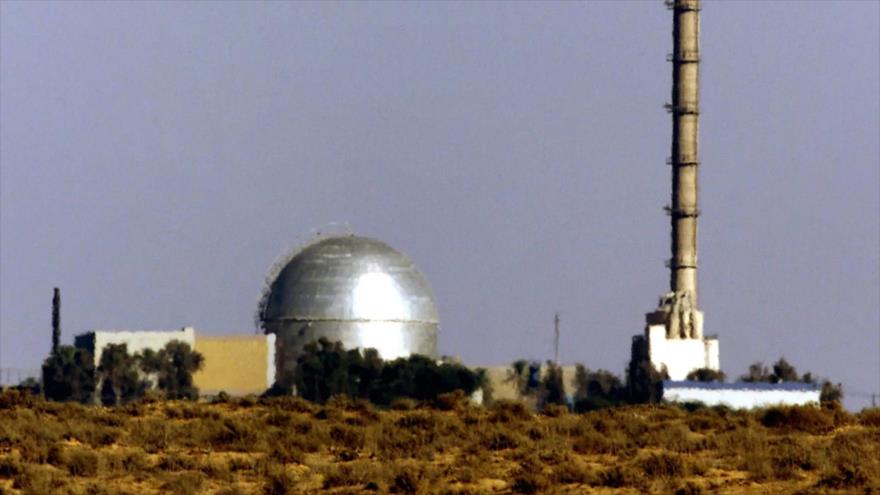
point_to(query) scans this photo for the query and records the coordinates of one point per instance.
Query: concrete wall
(235, 364)
(136, 340)
(504, 389)
(681, 356)
(741, 395)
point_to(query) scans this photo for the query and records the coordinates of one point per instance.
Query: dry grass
(289, 446)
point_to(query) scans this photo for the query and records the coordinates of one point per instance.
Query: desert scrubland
(288, 445)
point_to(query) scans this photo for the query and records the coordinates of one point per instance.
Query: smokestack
(673, 340)
(685, 110)
(56, 320)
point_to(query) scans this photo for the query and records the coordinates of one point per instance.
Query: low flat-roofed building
(236, 364)
(135, 340)
(741, 395)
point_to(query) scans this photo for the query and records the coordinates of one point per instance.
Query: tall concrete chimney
(685, 110)
(673, 341)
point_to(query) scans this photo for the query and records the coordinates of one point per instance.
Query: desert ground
(288, 445)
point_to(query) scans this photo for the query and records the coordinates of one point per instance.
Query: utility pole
(556, 338)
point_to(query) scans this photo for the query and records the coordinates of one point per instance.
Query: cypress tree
(56, 321)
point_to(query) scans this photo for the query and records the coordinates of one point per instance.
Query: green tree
(643, 382)
(118, 376)
(325, 369)
(707, 375)
(784, 372)
(29, 384)
(69, 375)
(831, 395)
(525, 377)
(553, 385)
(517, 376)
(56, 320)
(322, 371)
(173, 367)
(757, 373)
(596, 389)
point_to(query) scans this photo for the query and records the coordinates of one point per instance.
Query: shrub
(498, 438)
(620, 476)
(412, 435)
(663, 465)
(677, 438)
(853, 462)
(39, 480)
(135, 462)
(11, 398)
(176, 462)
(352, 474)
(347, 437)
(231, 490)
(81, 462)
(406, 481)
(689, 488)
(288, 403)
(789, 455)
(573, 472)
(529, 481)
(554, 410)
(803, 418)
(870, 417)
(594, 442)
(151, 435)
(10, 466)
(186, 483)
(507, 411)
(452, 401)
(402, 404)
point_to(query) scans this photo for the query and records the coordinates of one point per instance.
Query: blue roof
(790, 386)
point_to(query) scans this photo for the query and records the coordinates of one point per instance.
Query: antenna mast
(556, 338)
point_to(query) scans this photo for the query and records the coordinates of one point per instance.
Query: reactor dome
(355, 290)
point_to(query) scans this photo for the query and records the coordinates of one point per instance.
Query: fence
(14, 376)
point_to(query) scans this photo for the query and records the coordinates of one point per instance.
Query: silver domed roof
(350, 278)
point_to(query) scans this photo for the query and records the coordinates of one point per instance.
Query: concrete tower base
(680, 356)
(673, 340)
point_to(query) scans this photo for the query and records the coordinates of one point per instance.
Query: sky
(157, 157)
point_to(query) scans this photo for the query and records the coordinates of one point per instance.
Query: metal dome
(350, 278)
(351, 289)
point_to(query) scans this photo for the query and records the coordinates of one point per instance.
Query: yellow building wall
(237, 365)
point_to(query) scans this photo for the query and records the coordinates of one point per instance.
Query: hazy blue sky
(157, 157)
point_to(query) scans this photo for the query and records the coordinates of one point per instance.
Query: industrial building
(355, 290)
(235, 364)
(741, 395)
(363, 293)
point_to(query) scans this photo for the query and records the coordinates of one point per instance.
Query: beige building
(235, 364)
(505, 388)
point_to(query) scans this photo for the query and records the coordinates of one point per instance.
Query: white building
(741, 395)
